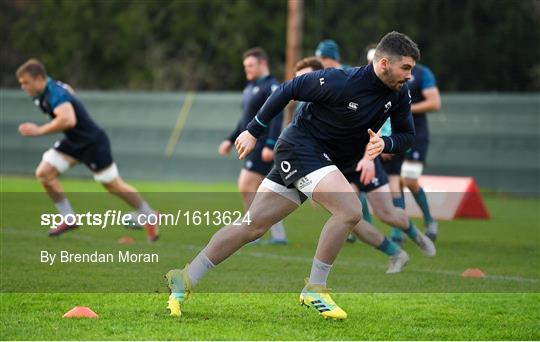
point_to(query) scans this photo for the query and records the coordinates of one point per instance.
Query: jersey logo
(273, 87)
(387, 106)
(255, 90)
(353, 106)
(36, 102)
(375, 181)
(321, 80)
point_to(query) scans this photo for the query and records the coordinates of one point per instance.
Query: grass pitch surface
(254, 294)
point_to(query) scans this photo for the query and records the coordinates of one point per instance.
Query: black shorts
(393, 166)
(253, 162)
(379, 180)
(95, 155)
(293, 162)
(418, 152)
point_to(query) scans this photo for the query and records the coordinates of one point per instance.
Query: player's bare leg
(336, 195)
(226, 241)
(368, 234)
(117, 186)
(248, 183)
(47, 175)
(266, 209)
(381, 201)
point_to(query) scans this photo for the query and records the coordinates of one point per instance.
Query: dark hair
(309, 62)
(257, 52)
(395, 45)
(32, 67)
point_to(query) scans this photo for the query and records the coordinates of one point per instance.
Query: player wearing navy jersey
(257, 165)
(369, 179)
(327, 52)
(84, 141)
(330, 134)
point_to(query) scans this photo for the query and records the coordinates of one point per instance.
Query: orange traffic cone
(126, 240)
(473, 273)
(80, 311)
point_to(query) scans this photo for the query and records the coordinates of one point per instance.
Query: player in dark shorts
(256, 166)
(369, 177)
(84, 142)
(346, 107)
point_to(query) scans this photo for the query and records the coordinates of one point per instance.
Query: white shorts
(56, 160)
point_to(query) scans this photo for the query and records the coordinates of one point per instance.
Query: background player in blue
(346, 106)
(425, 98)
(84, 142)
(328, 53)
(260, 86)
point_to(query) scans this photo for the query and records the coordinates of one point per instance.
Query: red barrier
(449, 198)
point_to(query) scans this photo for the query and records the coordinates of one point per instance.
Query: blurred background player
(328, 53)
(256, 166)
(425, 98)
(84, 141)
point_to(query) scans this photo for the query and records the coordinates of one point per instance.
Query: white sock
(278, 231)
(319, 272)
(145, 209)
(199, 267)
(64, 207)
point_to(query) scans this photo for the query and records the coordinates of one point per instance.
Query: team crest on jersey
(255, 90)
(387, 106)
(36, 102)
(274, 87)
(353, 106)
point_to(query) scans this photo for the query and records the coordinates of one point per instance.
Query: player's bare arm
(431, 102)
(64, 119)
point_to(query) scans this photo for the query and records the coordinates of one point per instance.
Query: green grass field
(253, 295)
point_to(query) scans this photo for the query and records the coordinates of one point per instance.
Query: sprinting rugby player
(369, 177)
(328, 53)
(260, 86)
(84, 141)
(330, 134)
(409, 165)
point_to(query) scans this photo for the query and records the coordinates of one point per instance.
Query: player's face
(304, 71)
(31, 86)
(253, 68)
(396, 73)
